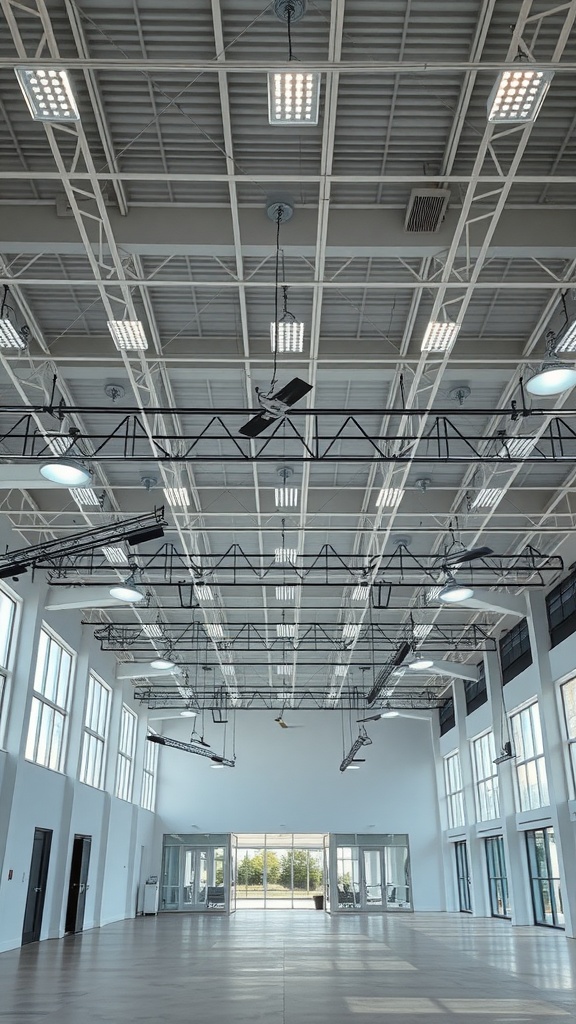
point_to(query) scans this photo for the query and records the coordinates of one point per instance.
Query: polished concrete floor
(289, 967)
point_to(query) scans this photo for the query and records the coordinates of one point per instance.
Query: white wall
(35, 797)
(288, 781)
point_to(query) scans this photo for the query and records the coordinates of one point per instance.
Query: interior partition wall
(196, 873)
(368, 873)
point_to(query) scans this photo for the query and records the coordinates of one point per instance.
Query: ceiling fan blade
(467, 556)
(372, 718)
(256, 425)
(293, 391)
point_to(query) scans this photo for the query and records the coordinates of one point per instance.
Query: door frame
(36, 895)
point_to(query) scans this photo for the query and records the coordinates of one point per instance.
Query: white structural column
(514, 847)
(553, 743)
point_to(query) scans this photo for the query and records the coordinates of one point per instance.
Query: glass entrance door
(463, 876)
(372, 891)
(371, 874)
(195, 875)
(545, 877)
(497, 880)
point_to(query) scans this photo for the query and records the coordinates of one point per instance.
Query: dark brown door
(37, 885)
(78, 885)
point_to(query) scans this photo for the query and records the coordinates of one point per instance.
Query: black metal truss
(325, 568)
(335, 437)
(254, 698)
(79, 545)
(311, 637)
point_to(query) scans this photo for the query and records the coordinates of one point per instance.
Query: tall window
(453, 777)
(148, 798)
(92, 762)
(485, 778)
(7, 617)
(532, 790)
(569, 704)
(545, 877)
(125, 762)
(50, 702)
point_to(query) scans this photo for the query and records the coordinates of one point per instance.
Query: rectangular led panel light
(518, 94)
(389, 497)
(284, 630)
(293, 97)
(152, 630)
(58, 444)
(440, 336)
(361, 592)
(290, 336)
(128, 335)
(177, 497)
(204, 592)
(85, 496)
(284, 670)
(487, 497)
(285, 592)
(422, 629)
(341, 670)
(566, 342)
(9, 336)
(48, 94)
(432, 593)
(286, 497)
(282, 555)
(517, 448)
(214, 630)
(228, 670)
(115, 555)
(350, 631)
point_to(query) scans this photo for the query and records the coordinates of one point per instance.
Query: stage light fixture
(145, 534)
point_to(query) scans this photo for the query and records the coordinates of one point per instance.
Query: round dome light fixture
(454, 592)
(188, 714)
(66, 472)
(127, 593)
(420, 664)
(162, 663)
(553, 378)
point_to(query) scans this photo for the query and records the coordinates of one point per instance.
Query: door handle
(37, 889)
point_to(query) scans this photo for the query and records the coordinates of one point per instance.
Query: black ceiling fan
(453, 559)
(276, 407)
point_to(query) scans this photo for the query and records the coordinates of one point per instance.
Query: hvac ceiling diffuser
(426, 209)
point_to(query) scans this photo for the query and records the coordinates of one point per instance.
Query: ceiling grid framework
(152, 208)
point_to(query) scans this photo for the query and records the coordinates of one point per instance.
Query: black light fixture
(12, 569)
(145, 534)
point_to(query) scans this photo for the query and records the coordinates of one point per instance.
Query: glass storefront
(283, 871)
(368, 873)
(195, 873)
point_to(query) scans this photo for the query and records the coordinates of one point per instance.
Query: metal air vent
(426, 209)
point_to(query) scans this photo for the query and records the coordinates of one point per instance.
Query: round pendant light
(420, 664)
(454, 592)
(66, 472)
(553, 378)
(162, 663)
(127, 592)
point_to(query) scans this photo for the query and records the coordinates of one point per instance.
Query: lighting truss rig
(334, 437)
(311, 637)
(325, 568)
(158, 698)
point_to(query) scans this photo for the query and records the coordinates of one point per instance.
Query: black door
(78, 883)
(37, 885)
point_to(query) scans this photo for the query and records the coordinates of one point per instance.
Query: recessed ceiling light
(487, 497)
(293, 98)
(285, 592)
(177, 496)
(284, 670)
(9, 336)
(290, 336)
(162, 663)
(48, 94)
(66, 472)
(127, 592)
(85, 496)
(389, 497)
(518, 94)
(440, 336)
(128, 334)
(115, 555)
